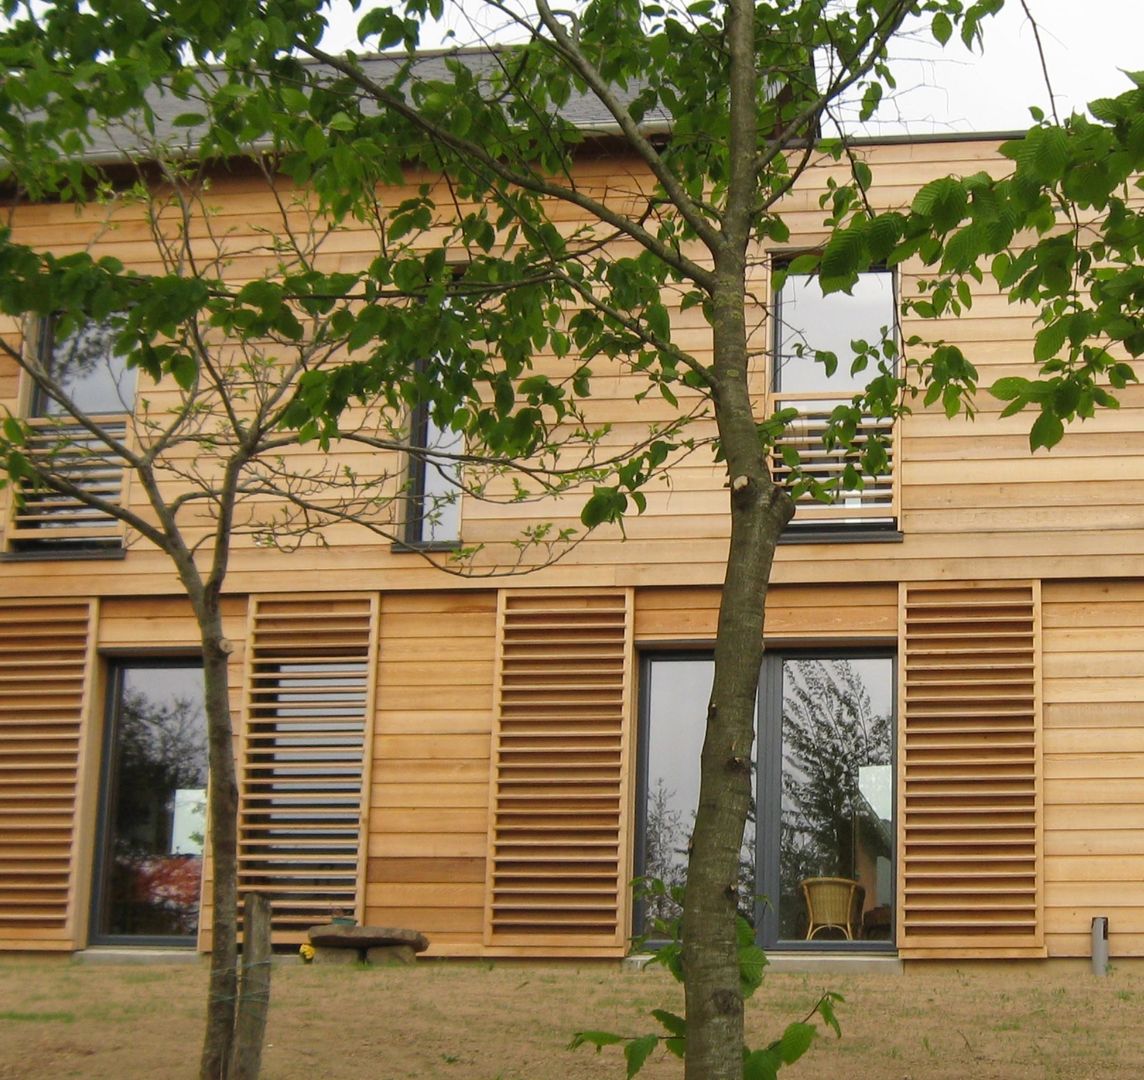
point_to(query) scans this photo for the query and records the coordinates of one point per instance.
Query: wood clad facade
(466, 756)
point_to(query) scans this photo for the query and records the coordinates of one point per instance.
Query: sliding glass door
(817, 868)
(148, 873)
(829, 826)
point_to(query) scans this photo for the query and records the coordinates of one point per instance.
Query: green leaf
(795, 1041)
(638, 1051)
(598, 1039)
(1010, 388)
(1050, 340)
(941, 27)
(672, 1023)
(1047, 431)
(761, 1065)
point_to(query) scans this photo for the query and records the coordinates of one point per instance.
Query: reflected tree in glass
(157, 808)
(836, 818)
(678, 691)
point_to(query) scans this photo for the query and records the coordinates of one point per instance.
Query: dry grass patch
(513, 1021)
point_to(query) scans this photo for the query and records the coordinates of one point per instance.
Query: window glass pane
(89, 371)
(808, 319)
(440, 490)
(677, 693)
(837, 817)
(155, 804)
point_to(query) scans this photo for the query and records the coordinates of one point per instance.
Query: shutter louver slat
(310, 671)
(41, 717)
(47, 519)
(971, 845)
(557, 843)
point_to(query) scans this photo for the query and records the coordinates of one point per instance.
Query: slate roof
(121, 140)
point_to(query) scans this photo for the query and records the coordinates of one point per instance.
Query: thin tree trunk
(221, 1002)
(254, 993)
(759, 511)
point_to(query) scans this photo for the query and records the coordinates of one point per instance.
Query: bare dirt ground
(473, 1021)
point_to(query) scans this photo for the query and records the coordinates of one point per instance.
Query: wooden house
(949, 712)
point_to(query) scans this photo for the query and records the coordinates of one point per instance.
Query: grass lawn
(477, 1021)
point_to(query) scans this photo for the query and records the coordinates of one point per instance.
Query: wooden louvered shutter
(305, 756)
(557, 869)
(970, 868)
(45, 672)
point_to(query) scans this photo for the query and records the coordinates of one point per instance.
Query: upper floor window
(434, 490)
(64, 510)
(87, 367)
(807, 323)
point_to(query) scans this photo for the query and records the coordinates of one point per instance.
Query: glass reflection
(678, 690)
(809, 321)
(155, 809)
(837, 795)
(90, 370)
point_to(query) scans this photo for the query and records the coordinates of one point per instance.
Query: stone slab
(346, 957)
(336, 936)
(390, 954)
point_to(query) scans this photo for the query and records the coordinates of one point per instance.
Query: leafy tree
(718, 105)
(213, 442)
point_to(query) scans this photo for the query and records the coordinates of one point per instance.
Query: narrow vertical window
(808, 323)
(434, 482)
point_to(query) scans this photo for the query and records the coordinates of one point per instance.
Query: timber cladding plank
(557, 840)
(45, 685)
(308, 697)
(970, 868)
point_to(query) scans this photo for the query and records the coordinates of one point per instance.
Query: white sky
(1085, 41)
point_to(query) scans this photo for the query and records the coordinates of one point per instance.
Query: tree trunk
(223, 832)
(254, 994)
(759, 511)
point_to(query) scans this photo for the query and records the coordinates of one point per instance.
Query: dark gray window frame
(769, 823)
(768, 748)
(114, 667)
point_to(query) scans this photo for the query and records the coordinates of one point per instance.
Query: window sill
(841, 534)
(417, 547)
(63, 554)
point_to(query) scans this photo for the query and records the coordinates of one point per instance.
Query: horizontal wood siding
(429, 794)
(838, 613)
(46, 653)
(1094, 764)
(557, 832)
(309, 683)
(972, 501)
(970, 813)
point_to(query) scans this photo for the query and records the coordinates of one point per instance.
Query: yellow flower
(307, 953)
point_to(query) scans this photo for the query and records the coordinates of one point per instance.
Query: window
(806, 322)
(823, 812)
(88, 368)
(94, 376)
(434, 515)
(153, 806)
(827, 723)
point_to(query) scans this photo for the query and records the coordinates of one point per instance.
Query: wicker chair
(829, 905)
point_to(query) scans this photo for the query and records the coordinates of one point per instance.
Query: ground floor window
(817, 864)
(148, 873)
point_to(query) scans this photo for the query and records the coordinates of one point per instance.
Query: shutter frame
(970, 813)
(308, 704)
(559, 823)
(46, 664)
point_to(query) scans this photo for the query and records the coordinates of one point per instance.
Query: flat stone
(345, 957)
(390, 954)
(335, 936)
